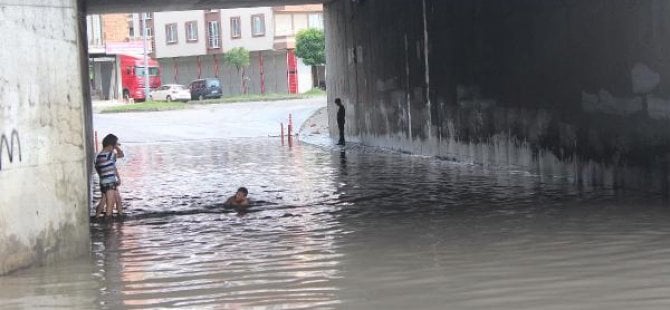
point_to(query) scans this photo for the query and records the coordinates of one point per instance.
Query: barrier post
(96, 141)
(290, 130)
(282, 134)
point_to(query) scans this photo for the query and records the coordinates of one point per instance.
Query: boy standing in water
(105, 165)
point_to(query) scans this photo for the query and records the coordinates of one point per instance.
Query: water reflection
(356, 229)
(343, 162)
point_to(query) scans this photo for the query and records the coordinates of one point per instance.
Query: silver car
(171, 92)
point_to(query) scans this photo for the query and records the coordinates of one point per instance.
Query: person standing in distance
(340, 120)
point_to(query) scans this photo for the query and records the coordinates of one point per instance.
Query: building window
(235, 28)
(146, 15)
(315, 21)
(171, 33)
(214, 36)
(258, 25)
(191, 31)
(131, 29)
(149, 32)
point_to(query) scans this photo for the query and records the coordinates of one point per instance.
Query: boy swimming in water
(239, 201)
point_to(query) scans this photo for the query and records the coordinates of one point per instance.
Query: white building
(180, 34)
(190, 45)
(248, 28)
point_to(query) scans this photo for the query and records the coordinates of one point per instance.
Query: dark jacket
(340, 114)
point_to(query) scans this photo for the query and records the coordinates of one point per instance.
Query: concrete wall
(574, 88)
(43, 155)
(274, 64)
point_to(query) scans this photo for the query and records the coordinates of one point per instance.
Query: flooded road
(355, 228)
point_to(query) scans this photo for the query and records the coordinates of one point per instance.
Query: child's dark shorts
(106, 187)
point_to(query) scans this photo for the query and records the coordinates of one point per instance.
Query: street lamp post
(146, 60)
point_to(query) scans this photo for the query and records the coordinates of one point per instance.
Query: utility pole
(146, 60)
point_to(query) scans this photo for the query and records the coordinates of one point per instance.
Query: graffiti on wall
(10, 146)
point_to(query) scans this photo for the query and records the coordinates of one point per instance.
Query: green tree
(239, 58)
(310, 45)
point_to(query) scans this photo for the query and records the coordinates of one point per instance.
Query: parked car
(171, 92)
(205, 88)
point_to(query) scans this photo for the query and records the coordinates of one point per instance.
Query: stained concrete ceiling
(127, 6)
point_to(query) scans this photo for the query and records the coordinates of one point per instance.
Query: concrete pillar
(578, 89)
(44, 121)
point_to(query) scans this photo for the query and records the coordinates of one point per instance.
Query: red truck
(133, 75)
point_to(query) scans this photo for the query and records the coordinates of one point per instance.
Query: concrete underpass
(577, 88)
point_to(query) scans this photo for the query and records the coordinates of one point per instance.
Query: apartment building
(288, 21)
(110, 35)
(190, 45)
